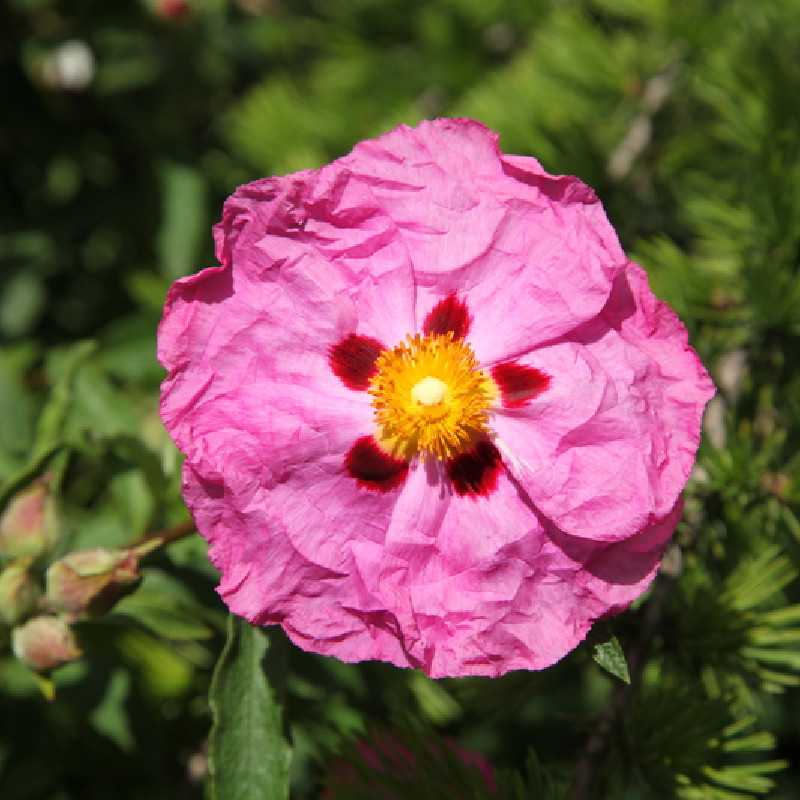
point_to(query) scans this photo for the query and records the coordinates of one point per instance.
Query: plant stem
(156, 539)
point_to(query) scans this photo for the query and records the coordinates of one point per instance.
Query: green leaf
(165, 606)
(248, 756)
(184, 219)
(21, 303)
(63, 368)
(435, 702)
(17, 408)
(610, 657)
(110, 717)
(164, 671)
(49, 437)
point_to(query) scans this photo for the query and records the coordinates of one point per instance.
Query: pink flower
(393, 763)
(431, 413)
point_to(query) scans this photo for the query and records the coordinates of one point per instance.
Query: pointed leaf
(610, 657)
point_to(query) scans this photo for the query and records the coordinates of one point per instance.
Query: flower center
(429, 391)
(430, 397)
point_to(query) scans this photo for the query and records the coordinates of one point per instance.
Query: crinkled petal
(608, 447)
(533, 254)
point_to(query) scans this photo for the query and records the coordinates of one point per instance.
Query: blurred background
(125, 126)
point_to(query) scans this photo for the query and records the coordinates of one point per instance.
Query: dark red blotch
(476, 472)
(519, 384)
(450, 314)
(373, 468)
(353, 360)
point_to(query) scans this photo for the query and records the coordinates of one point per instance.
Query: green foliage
(684, 745)
(744, 635)
(248, 757)
(681, 115)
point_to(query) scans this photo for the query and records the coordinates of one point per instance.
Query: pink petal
(533, 254)
(609, 446)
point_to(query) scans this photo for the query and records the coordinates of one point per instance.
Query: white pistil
(429, 391)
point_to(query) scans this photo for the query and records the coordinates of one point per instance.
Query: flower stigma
(430, 397)
(429, 391)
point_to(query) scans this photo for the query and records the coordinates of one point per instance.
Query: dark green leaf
(610, 657)
(17, 408)
(248, 755)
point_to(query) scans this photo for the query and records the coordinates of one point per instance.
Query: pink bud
(91, 581)
(18, 592)
(44, 643)
(395, 756)
(172, 9)
(29, 525)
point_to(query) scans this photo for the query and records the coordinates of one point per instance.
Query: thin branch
(155, 539)
(638, 136)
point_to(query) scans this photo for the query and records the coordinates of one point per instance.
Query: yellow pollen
(430, 397)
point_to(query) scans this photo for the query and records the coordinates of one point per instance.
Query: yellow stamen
(430, 397)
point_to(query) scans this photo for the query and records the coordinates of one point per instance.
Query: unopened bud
(29, 525)
(91, 581)
(44, 643)
(18, 592)
(69, 67)
(172, 9)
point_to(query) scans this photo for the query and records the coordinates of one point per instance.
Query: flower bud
(18, 592)
(172, 9)
(44, 643)
(91, 581)
(29, 525)
(69, 67)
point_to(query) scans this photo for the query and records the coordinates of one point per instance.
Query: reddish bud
(29, 525)
(44, 643)
(18, 592)
(172, 9)
(91, 581)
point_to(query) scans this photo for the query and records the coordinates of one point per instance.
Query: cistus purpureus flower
(431, 413)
